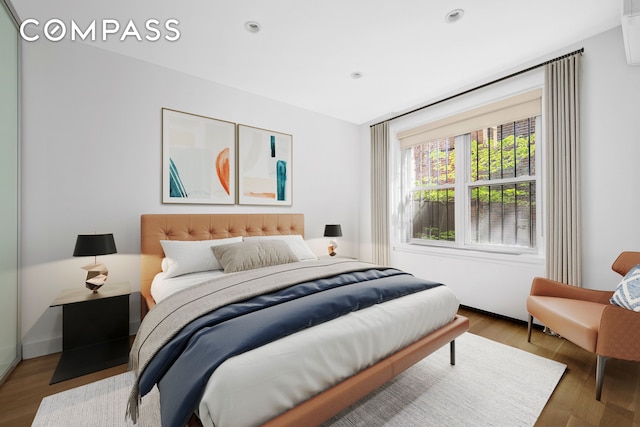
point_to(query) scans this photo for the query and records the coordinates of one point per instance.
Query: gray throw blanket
(167, 318)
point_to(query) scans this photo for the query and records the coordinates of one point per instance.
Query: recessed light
(252, 26)
(454, 16)
(356, 75)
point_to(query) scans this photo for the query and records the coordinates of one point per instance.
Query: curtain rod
(517, 73)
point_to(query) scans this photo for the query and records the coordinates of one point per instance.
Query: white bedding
(161, 287)
(256, 386)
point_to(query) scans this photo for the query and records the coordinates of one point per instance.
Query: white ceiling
(306, 51)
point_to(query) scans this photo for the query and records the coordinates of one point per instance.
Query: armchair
(588, 319)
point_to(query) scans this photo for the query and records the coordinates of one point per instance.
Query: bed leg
(452, 351)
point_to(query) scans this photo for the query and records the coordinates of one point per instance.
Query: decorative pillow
(295, 241)
(165, 265)
(249, 255)
(192, 256)
(627, 293)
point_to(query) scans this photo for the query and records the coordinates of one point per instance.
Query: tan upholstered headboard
(156, 227)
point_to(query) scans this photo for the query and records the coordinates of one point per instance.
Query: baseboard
(41, 348)
(500, 316)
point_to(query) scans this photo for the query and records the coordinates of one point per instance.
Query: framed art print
(264, 167)
(198, 159)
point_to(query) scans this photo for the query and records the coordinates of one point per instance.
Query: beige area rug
(491, 385)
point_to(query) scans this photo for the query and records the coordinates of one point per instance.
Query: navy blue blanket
(183, 367)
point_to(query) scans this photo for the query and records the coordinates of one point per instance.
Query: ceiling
(306, 51)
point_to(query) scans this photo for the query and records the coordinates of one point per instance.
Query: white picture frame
(198, 159)
(265, 165)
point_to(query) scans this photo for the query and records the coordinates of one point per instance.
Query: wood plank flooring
(572, 404)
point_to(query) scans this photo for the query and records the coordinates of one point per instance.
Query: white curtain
(380, 193)
(562, 123)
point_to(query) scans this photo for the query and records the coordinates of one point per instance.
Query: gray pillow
(242, 256)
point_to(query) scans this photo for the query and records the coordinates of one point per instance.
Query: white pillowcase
(295, 241)
(192, 256)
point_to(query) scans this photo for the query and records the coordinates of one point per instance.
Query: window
(432, 170)
(474, 189)
(502, 185)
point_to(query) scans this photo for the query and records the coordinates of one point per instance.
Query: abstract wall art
(264, 167)
(198, 159)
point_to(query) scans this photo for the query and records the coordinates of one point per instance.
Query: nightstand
(95, 330)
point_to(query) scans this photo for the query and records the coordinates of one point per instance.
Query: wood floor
(572, 404)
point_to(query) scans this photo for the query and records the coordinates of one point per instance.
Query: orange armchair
(588, 319)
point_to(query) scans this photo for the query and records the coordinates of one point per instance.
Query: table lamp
(332, 230)
(94, 245)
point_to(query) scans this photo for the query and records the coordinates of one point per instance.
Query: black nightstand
(95, 330)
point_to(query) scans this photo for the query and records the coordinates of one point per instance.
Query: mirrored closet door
(9, 187)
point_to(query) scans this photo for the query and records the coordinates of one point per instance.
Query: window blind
(521, 106)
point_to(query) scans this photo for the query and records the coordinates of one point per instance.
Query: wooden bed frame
(156, 227)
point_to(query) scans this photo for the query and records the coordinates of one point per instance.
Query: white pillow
(192, 256)
(295, 241)
(165, 265)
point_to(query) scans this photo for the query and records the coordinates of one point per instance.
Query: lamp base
(93, 288)
(333, 245)
(332, 250)
(96, 276)
(95, 282)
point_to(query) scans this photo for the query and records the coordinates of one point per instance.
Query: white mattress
(256, 386)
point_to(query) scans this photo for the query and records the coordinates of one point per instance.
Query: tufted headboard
(156, 227)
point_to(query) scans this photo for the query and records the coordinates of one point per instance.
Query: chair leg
(529, 328)
(452, 352)
(600, 364)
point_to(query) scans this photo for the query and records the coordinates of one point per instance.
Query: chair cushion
(627, 293)
(578, 321)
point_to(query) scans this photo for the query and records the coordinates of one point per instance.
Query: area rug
(491, 385)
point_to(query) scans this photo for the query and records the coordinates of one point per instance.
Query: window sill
(471, 254)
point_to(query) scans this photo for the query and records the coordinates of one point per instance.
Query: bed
(322, 397)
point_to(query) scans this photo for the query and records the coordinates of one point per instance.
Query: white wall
(610, 144)
(610, 157)
(91, 158)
